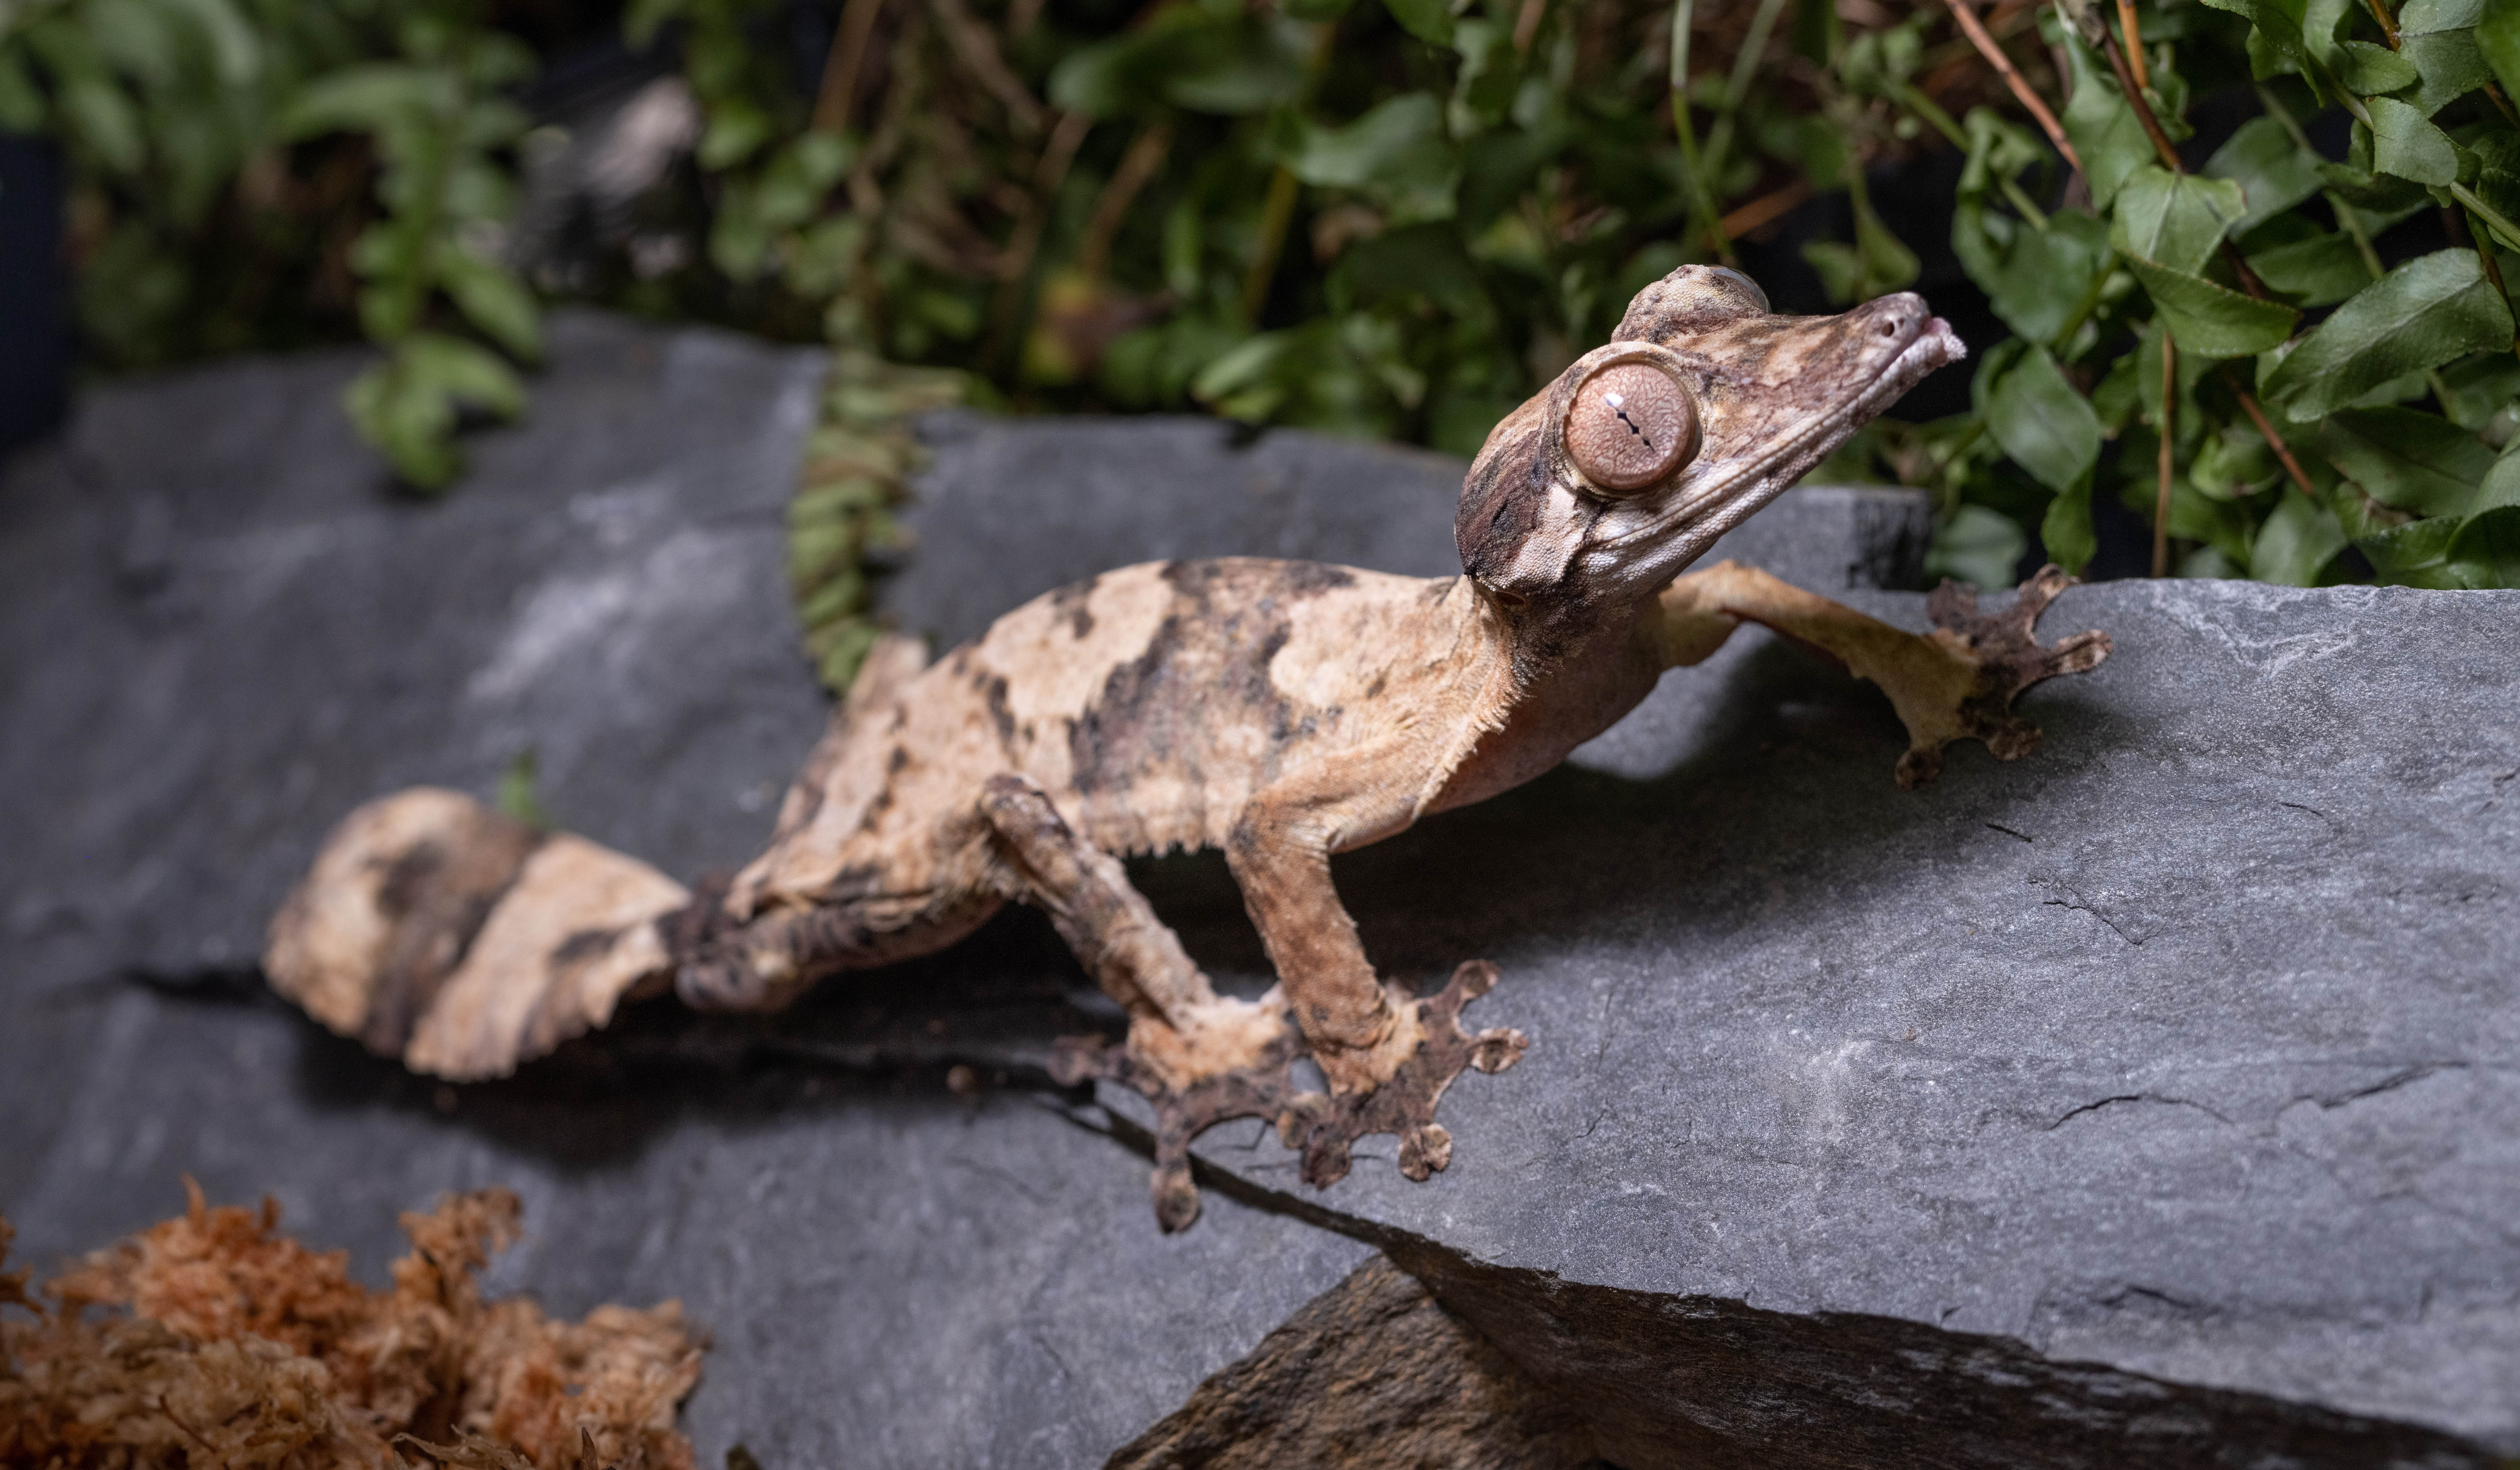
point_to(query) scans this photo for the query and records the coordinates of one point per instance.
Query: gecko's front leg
(1955, 683)
(1387, 1056)
(1198, 1057)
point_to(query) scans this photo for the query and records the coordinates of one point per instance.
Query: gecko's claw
(2009, 658)
(1239, 1067)
(1327, 1128)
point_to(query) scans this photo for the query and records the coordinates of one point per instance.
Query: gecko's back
(1152, 701)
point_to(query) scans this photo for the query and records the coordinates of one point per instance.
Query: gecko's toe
(2009, 658)
(1239, 1067)
(1326, 1129)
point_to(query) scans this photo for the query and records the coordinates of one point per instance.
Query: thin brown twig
(2479, 241)
(2267, 432)
(1146, 155)
(2142, 109)
(1526, 24)
(2134, 43)
(2169, 421)
(1766, 207)
(1971, 27)
(1014, 267)
(837, 96)
(2161, 146)
(977, 47)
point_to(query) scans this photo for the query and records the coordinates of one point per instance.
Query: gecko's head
(1704, 406)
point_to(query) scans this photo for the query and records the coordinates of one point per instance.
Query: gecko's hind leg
(1199, 1057)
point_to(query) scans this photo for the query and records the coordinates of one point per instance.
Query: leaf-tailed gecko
(1281, 711)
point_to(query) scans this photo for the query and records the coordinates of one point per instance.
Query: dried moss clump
(236, 1346)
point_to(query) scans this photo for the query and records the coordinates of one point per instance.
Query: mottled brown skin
(1288, 711)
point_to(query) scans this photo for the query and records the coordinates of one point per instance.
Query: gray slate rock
(218, 632)
(2182, 1056)
(2148, 1100)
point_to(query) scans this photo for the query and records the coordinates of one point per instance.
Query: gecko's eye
(1631, 426)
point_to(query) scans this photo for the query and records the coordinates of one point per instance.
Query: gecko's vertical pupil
(1631, 426)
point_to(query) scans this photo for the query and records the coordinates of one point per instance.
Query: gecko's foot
(1327, 1128)
(2005, 647)
(1233, 1060)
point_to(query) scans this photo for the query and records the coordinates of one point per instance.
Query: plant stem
(2169, 416)
(2083, 308)
(1975, 30)
(2135, 47)
(2142, 107)
(1278, 210)
(1275, 211)
(1708, 223)
(2152, 128)
(1737, 87)
(2478, 240)
(2267, 432)
(837, 96)
(2509, 232)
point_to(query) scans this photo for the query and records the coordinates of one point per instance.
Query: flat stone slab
(2187, 1047)
(2150, 1100)
(218, 632)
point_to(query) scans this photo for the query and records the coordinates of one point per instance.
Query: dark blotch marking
(993, 688)
(1069, 602)
(582, 946)
(1205, 670)
(436, 895)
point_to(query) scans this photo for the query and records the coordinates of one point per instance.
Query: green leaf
(494, 300)
(2319, 270)
(236, 51)
(2047, 272)
(2501, 488)
(468, 374)
(2372, 70)
(2044, 425)
(2067, 530)
(2497, 38)
(1977, 545)
(2296, 542)
(1398, 151)
(2174, 220)
(2278, 21)
(2406, 459)
(2485, 552)
(2439, 37)
(2403, 144)
(2272, 173)
(2425, 313)
(367, 98)
(2409, 548)
(103, 119)
(2104, 129)
(22, 102)
(2209, 321)
(1430, 20)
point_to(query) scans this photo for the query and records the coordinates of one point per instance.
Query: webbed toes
(1326, 1129)
(2005, 645)
(1242, 1070)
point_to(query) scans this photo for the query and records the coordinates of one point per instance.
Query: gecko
(1280, 711)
